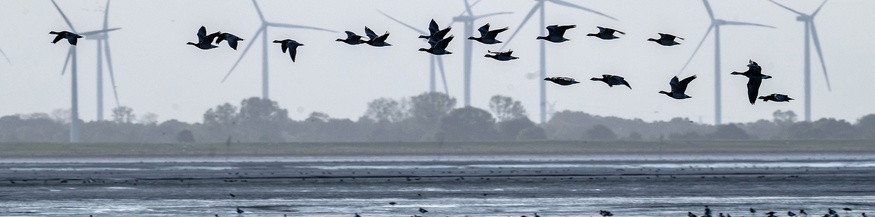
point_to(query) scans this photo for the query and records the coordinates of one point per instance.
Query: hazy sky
(157, 72)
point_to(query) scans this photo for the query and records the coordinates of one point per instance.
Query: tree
(532, 133)
(185, 136)
(505, 108)
(61, 116)
(600, 132)
(866, 124)
(784, 116)
(123, 114)
(466, 124)
(431, 105)
(257, 110)
(224, 114)
(729, 132)
(319, 117)
(635, 136)
(149, 119)
(511, 129)
(386, 110)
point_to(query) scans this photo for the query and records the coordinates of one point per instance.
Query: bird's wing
(201, 33)
(753, 88)
(626, 83)
(285, 46)
(438, 36)
(551, 29)
(350, 34)
(682, 86)
(674, 83)
(57, 38)
(561, 29)
(382, 38)
(666, 36)
(293, 51)
(73, 39)
(209, 38)
(442, 45)
(483, 30)
(433, 27)
(370, 33)
(618, 31)
(494, 33)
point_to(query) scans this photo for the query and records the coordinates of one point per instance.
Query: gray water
(447, 187)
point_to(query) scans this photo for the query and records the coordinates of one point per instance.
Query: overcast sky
(157, 72)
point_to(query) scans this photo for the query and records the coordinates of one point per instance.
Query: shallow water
(550, 187)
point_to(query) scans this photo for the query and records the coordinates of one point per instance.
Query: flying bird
(72, 38)
(777, 98)
(501, 56)
(352, 39)
(433, 29)
(439, 48)
(755, 79)
(290, 45)
(612, 80)
(606, 33)
(666, 39)
(204, 41)
(488, 36)
(231, 38)
(564, 81)
(555, 33)
(376, 41)
(678, 88)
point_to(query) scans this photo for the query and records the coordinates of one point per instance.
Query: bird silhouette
(612, 80)
(606, 33)
(555, 33)
(755, 79)
(666, 39)
(439, 48)
(564, 81)
(501, 56)
(376, 41)
(72, 38)
(488, 36)
(678, 88)
(204, 41)
(231, 38)
(352, 39)
(290, 45)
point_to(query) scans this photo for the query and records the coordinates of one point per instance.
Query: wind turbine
(715, 25)
(543, 67)
(5, 56)
(810, 31)
(468, 22)
(71, 57)
(103, 45)
(432, 58)
(264, 41)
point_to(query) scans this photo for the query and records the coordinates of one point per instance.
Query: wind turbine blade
(789, 9)
(64, 16)
(283, 25)
(491, 14)
(98, 31)
(708, 8)
(258, 9)
(568, 4)
(697, 48)
(468, 9)
(402, 23)
(819, 54)
(818, 8)
(106, 15)
(111, 74)
(529, 15)
(67, 61)
(6, 57)
(736, 23)
(440, 61)
(257, 33)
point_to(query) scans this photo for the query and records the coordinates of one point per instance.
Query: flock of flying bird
(438, 46)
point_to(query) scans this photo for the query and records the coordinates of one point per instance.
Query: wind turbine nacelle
(461, 19)
(803, 18)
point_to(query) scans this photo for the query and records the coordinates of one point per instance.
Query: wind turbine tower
(539, 7)
(715, 25)
(103, 46)
(71, 57)
(810, 32)
(432, 58)
(264, 42)
(468, 22)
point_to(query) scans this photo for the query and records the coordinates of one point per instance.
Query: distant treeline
(425, 117)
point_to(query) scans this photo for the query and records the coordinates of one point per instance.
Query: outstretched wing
(438, 36)
(382, 38)
(682, 86)
(561, 29)
(484, 30)
(753, 88)
(494, 33)
(285, 46)
(551, 29)
(663, 36)
(352, 36)
(675, 84)
(370, 33)
(442, 45)
(433, 27)
(201, 33)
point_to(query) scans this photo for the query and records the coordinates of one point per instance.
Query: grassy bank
(433, 148)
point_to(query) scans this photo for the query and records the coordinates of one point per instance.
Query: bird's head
(277, 41)
(487, 55)
(339, 40)
(595, 79)
(542, 37)
(191, 43)
(651, 39)
(663, 92)
(591, 34)
(423, 49)
(472, 38)
(423, 36)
